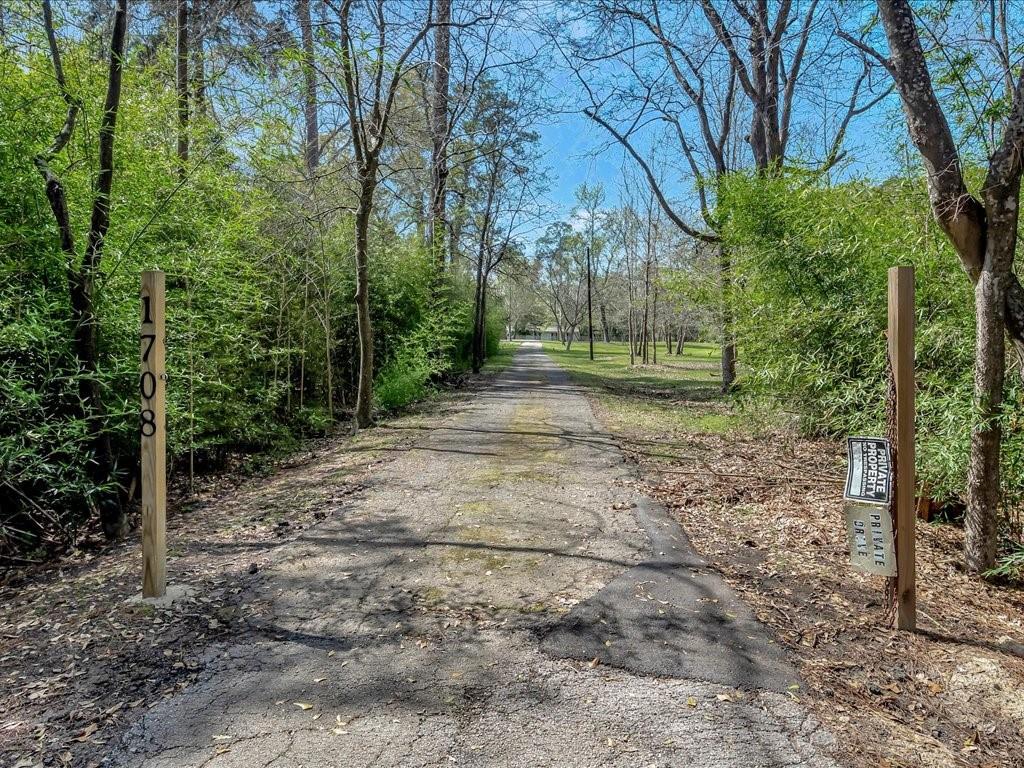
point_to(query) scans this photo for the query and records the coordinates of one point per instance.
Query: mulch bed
(767, 512)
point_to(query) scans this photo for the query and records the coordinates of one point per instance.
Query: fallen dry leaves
(767, 513)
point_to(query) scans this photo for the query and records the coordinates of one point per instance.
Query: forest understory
(765, 508)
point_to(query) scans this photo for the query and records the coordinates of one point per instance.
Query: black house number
(147, 380)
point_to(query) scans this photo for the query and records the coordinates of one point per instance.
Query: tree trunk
(630, 325)
(629, 332)
(439, 131)
(984, 235)
(87, 340)
(654, 316)
(983, 485)
(82, 280)
(311, 148)
(605, 330)
(482, 337)
(182, 86)
(199, 59)
(478, 318)
(758, 136)
(328, 356)
(302, 343)
(364, 391)
(647, 309)
(728, 331)
(983, 477)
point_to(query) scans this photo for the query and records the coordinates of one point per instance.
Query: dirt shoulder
(766, 510)
(79, 661)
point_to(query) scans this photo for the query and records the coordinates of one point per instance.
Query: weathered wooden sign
(869, 532)
(869, 472)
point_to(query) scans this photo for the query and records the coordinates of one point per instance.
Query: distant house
(549, 333)
(546, 333)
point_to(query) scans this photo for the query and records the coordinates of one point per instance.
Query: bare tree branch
(652, 180)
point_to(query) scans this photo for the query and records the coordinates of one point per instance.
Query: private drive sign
(869, 473)
(868, 520)
(869, 529)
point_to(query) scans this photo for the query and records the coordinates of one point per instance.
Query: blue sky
(578, 150)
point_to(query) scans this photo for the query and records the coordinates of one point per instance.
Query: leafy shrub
(404, 379)
(1010, 566)
(260, 306)
(811, 296)
(430, 351)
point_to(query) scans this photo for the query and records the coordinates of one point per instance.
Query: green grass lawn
(680, 392)
(695, 372)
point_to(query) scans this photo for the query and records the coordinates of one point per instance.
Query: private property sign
(869, 473)
(868, 521)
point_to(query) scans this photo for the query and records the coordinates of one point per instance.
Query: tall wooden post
(901, 357)
(152, 418)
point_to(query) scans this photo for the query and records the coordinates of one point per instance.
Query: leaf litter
(766, 510)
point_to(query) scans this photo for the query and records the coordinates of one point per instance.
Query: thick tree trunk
(182, 86)
(439, 130)
(984, 234)
(478, 317)
(199, 59)
(605, 330)
(983, 486)
(82, 276)
(984, 490)
(364, 391)
(758, 120)
(481, 351)
(112, 515)
(311, 145)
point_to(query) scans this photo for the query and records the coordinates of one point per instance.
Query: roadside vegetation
(655, 396)
(208, 140)
(501, 359)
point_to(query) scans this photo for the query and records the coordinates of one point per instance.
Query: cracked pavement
(498, 596)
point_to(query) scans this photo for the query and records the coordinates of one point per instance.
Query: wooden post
(152, 386)
(901, 357)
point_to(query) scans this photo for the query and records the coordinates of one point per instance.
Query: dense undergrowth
(810, 264)
(261, 332)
